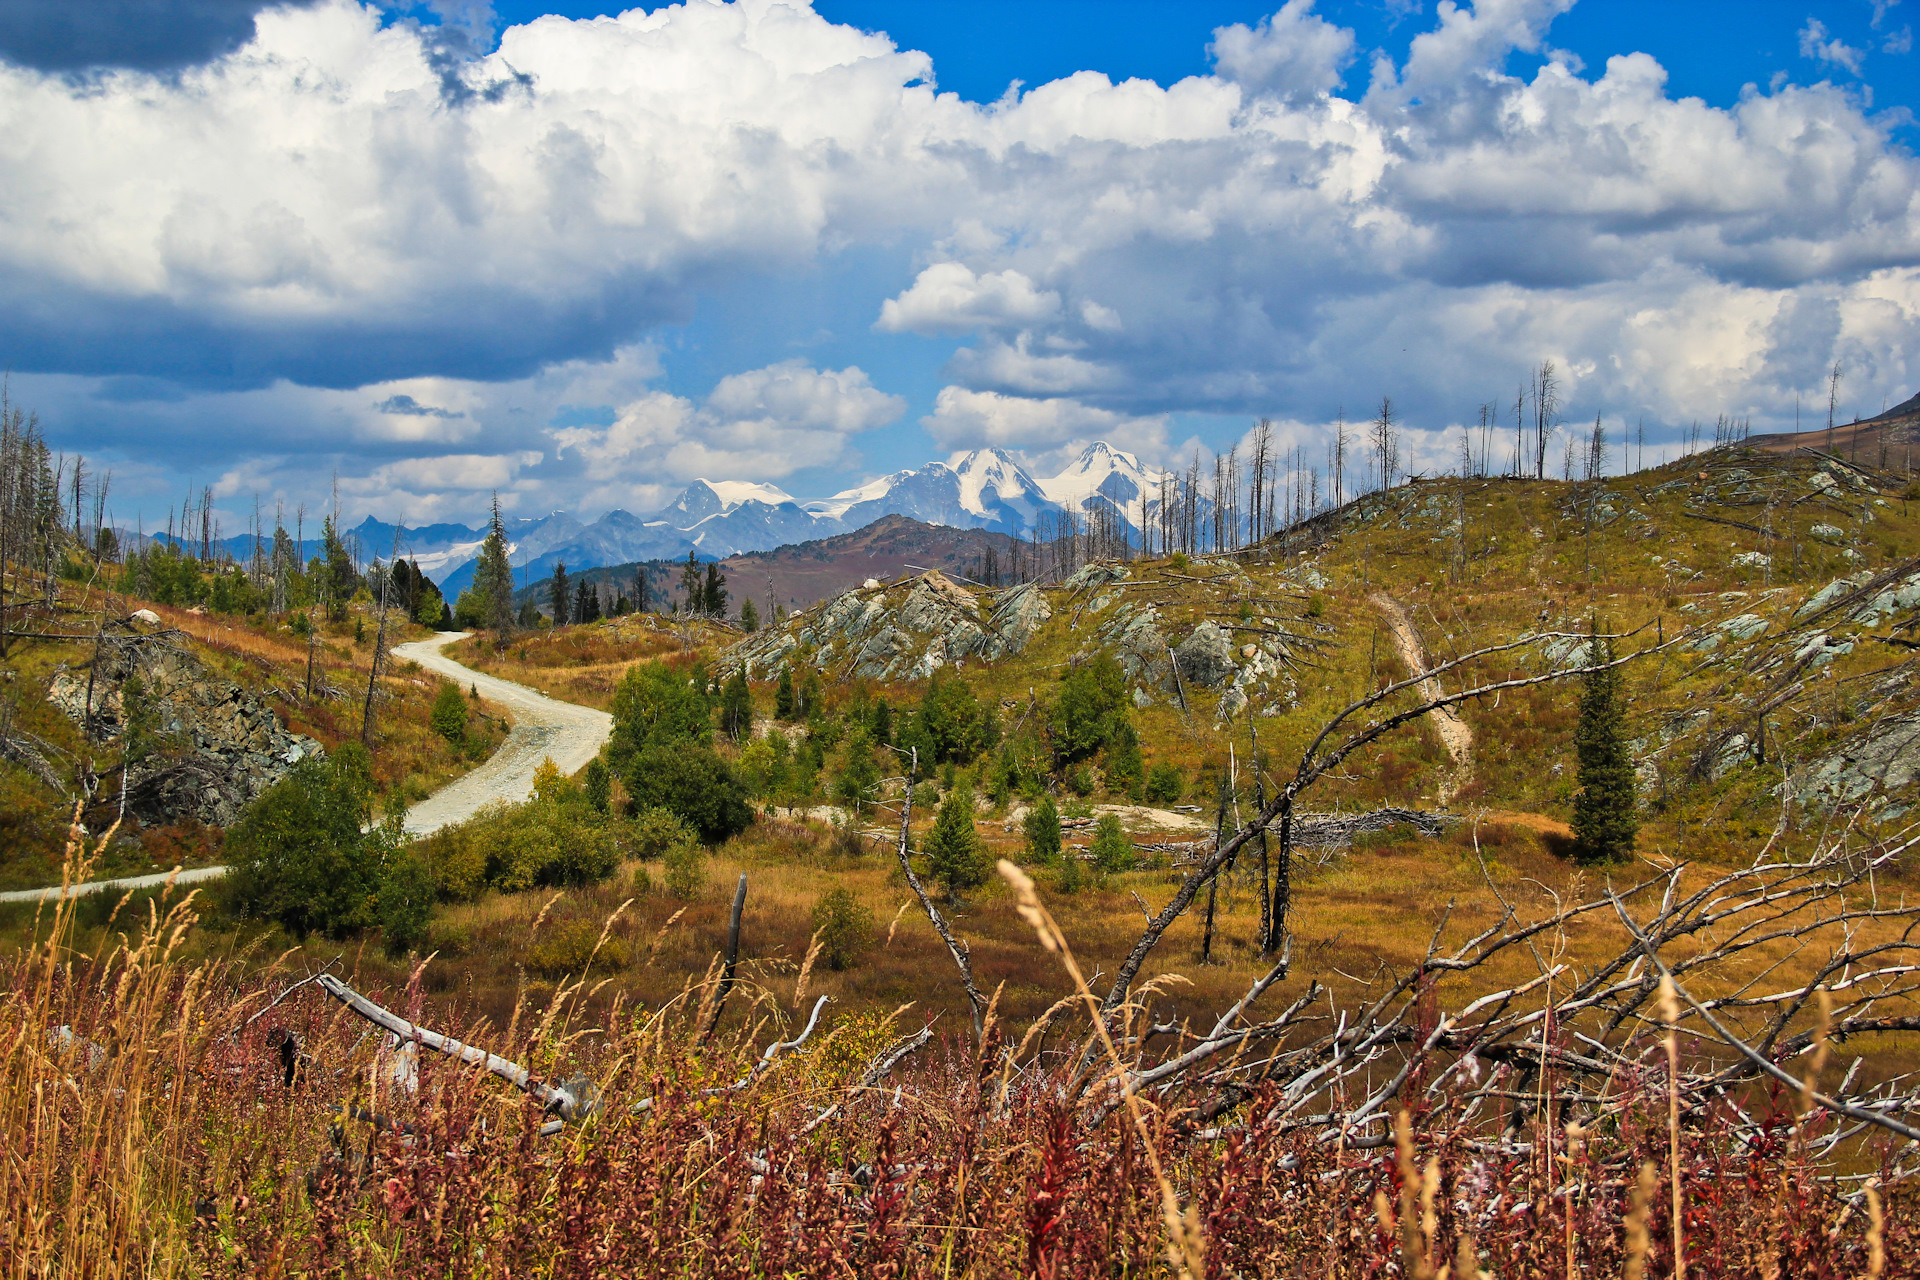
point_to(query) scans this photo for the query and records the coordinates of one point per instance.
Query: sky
(422, 253)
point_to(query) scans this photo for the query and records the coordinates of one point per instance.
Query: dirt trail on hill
(543, 727)
(1455, 737)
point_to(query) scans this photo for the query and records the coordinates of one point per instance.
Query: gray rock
(1206, 657)
(1884, 759)
(1828, 533)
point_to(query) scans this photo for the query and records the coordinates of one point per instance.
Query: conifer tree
(954, 853)
(1604, 818)
(690, 583)
(493, 579)
(749, 616)
(783, 695)
(1042, 830)
(736, 708)
(559, 595)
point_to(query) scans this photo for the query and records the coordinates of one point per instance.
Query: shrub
(1164, 784)
(1042, 829)
(844, 926)
(693, 783)
(599, 785)
(1090, 710)
(1126, 770)
(655, 831)
(449, 715)
(1070, 876)
(858, 784)
(655, 704)
(686, 870)
(1179, 562)
(642, 884)
(302, 855)
(955, 722)
(568, 949)
(1316, 605)
(736, 707)
(926, 795)
(1080, 780)
(1112, 850)
(405, 901)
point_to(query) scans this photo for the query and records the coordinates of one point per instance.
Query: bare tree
(1386, 443)
(1546, 408)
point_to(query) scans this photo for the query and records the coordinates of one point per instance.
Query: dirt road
(543, 727)
(1455, 737)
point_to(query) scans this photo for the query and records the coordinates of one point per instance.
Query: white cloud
(1046, 429)
(333, 263)
(947, 296)
(760, 425)
(1816, 44)
(1294, 53)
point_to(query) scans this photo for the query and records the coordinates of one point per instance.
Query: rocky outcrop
(215, 744)
(905, 631)
(1206, 657)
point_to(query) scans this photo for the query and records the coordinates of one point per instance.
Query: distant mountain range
(987, 489)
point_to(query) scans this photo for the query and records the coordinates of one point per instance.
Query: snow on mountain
(983, 489)
(1101, 469)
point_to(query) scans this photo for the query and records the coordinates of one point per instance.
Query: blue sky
(450, 248)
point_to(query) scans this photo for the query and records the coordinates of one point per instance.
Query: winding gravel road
(543, 728)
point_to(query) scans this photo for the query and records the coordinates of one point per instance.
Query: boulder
(147, 616)
(1206, 657)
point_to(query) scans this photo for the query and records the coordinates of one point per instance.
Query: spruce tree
(749, 616)
(1604, 818)
(690, 583)
(1042, 830)
(560, 594)
(783, 695)
(493, 579)
(954, 853)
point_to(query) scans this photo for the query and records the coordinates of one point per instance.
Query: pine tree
(1604, 818)
(493, 579)
(713, 596)
(783, 695)
(586, 602)
(690, 583)
(749, 616)
(954, 853)
(1042, 829)
(560, 594)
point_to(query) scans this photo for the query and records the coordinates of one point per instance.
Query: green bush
(305, 853)
(1112, 850)
(693, 783)
(1042, 829)
(553, 839)
(599, 785)
(653, 704)
(1091, 708)
(845, 928)
(642, 884)
(651, 832)
(926, 795)
(1071, 876)
(1164, 784)
(405, 904)
(955, 723)
(858, 785)
(686, 870)
(449, 715)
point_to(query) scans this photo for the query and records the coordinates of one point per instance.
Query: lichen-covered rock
(1096, 574)
(1017, 617)
(1829, 593)
(1882, 762)
(1743, 628)
(219, 745)
(1206, 657)
(1830, 533)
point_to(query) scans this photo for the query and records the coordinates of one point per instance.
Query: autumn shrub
(845, 928)
(568, 949)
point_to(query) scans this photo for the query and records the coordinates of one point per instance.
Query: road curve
(543, 728)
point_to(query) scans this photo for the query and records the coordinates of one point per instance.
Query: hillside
(1885, 441)
(800, 574)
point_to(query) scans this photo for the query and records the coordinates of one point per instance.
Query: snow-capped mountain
(984, 489)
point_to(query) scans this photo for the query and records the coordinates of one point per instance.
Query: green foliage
(642, 883)
(654, 704)
(1091, 707)
(599, 785)
(493, 581)
(560, 594)
(692, 782)
(844, 926)
(1042, 829)
(554, 838)
(686, 870)
(338, 581)
(1080, 780)
(1604, 819)
(299, 855)
(925, 794)
(882, 723)
(749, 616)
(955, 855)
(448, 718)
(1316, 605)
(653, 832)
(1164, 784)
(405, 905)
(736, 707)
(1112, 850)
(573, 947)
(783, 695)
(858, 785)
(956, 725)
(1126, 769)
(1179, 562)
(1071, 875)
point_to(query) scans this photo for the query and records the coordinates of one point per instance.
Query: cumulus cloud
(309, 248)
(1045, 429)
(1295, 53)
(760, 425)
(1829, 50)
(949, 297)
(61, 35)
